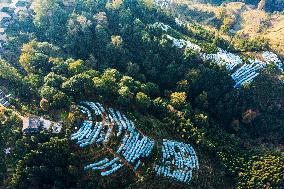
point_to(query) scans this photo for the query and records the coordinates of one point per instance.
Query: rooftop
(3, 97)
(34, 124)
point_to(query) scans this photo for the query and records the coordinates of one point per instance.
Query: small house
(4, 99)
(31, 125)
(34, 124)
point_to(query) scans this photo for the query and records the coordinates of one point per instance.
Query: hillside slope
(268, 5)
(239, 19)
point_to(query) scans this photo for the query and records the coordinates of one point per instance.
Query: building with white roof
(34, 124)
(4, 99)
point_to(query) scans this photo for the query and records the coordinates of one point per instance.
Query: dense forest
(65, 52)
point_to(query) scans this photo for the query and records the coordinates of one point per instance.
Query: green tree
(60, 67)
(130, 83)
(125, 96)
(51, 19)
(76, 67)
(107, 84)
(143, 101)
(80, 36)
(8, 72)
(150, 89)
(52, 165)
(265, 171)
(79, 86)
(34, 80)
(54, 98)
(54, 80)
(35, 57)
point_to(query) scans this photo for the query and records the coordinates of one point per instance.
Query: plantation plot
(178, 22)
(224, 58)
(181, 43)
(118, 135)
(163, 3)
(270, 57)
(161, 25)
(178, 161)
(105, 163)
(133, 145)
(247, 72)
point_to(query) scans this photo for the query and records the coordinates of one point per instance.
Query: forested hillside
(129, 55)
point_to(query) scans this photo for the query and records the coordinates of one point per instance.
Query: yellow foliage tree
(178, 99)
